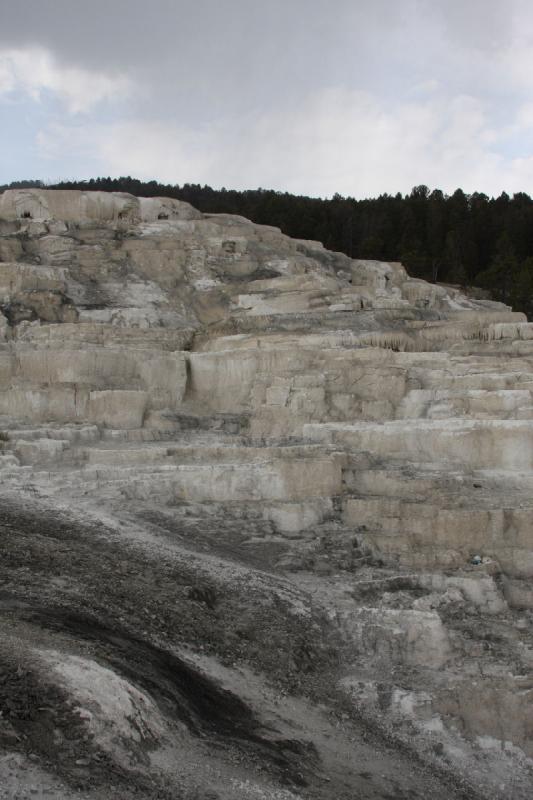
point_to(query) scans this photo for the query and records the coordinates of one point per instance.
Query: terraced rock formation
(266, 516)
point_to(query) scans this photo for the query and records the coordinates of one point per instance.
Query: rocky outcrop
(271, 470)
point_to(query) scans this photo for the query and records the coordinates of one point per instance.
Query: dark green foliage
(31, 184)
(460, 239)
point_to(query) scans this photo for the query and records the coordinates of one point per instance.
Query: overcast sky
(358, 97)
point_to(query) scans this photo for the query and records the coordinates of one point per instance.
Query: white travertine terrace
(378, 427)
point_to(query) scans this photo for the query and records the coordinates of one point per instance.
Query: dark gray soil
(95, 589)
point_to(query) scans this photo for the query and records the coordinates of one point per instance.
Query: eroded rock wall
(363, 438)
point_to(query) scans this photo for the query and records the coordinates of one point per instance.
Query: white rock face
(375, 429)
(76, 206)
(117, 714)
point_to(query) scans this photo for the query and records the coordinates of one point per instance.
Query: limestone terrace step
(504, 444)
(204, 451)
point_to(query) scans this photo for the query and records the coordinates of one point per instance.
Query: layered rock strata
(308, 475)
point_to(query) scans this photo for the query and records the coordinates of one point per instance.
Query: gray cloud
(246, 92)
(213, 54)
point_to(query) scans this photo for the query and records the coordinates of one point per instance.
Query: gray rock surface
(266, 515)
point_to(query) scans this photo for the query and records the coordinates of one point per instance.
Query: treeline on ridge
(470, 240)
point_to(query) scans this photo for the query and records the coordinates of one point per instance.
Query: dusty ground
(238, 667)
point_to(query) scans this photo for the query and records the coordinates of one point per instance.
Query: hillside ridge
(266, 512)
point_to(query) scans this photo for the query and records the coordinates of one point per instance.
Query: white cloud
(524, 116)
(432, 94)
(334, 141)
(34, 71)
